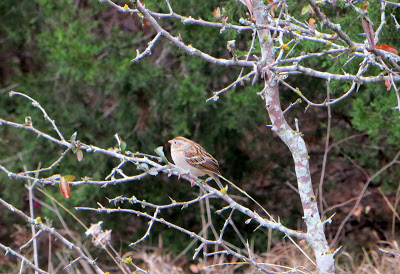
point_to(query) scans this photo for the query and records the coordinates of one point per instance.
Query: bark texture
(315, 228)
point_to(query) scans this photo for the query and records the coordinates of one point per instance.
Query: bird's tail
(216, 179)
(242, 191)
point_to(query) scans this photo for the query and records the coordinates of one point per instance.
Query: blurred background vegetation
(74, 58)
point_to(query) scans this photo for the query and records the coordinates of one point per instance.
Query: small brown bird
(192, 157)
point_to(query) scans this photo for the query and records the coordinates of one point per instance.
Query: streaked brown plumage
(192, 157)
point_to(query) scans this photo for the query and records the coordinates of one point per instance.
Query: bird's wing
(199, 158)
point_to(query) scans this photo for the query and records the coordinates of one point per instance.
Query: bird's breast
(180, 160)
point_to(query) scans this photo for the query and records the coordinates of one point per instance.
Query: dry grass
(371, 261)
(282, 257)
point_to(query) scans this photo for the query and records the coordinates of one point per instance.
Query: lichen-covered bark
(294, 141)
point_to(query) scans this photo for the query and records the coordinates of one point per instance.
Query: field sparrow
(192, 157)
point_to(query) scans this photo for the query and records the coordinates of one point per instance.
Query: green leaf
(152, 171)
(54, 177)
(122, 147)
(70, 178)
(73, 139)
(160, 152)
(307, 9)
(143, 166)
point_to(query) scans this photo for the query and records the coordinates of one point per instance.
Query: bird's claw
(181, 174)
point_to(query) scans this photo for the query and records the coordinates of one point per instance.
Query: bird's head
(179, 143)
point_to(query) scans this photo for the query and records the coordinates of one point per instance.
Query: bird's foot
(197, 180)
(181, 174)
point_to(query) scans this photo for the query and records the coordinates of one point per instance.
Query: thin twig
(389, 204)
(36, 104)
(147, 50)
(325, 159)
(22, 258)
(389, 252)
(361, 195)
(53, 232)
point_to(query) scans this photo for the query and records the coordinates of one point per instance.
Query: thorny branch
(53, 232)
(275, 68)
(360, 196)
(147, 167)
(338, 44)
(204, 241)
(8, 250)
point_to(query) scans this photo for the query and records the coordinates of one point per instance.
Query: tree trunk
(315, 228)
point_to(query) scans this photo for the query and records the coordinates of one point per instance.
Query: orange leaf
(387, 48)
(64, 187)
(387, 83)
(357, 212)
(311, 23)
(365, 6)
(194, 268)
(217, 13)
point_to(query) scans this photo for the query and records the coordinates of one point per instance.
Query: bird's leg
(174, 169)
(180, 174)
(192, 181)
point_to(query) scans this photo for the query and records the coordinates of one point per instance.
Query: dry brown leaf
(369, 32)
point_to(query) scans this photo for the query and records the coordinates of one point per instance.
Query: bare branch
(148, 229)
(31, 239)
(361, 195)
(172, 225)
(53, 232)
(241, 79)
(295, 69)
(36, 104)
(189, 48)
(336, 28)
(148, 49)
(389, 252)
(22, 258)
(390, 3)
(325, 159)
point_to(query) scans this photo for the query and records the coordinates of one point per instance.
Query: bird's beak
(170, 141)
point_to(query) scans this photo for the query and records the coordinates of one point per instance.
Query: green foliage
(80, 72)
(373, 113)
(75, 60)
(372, 106)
